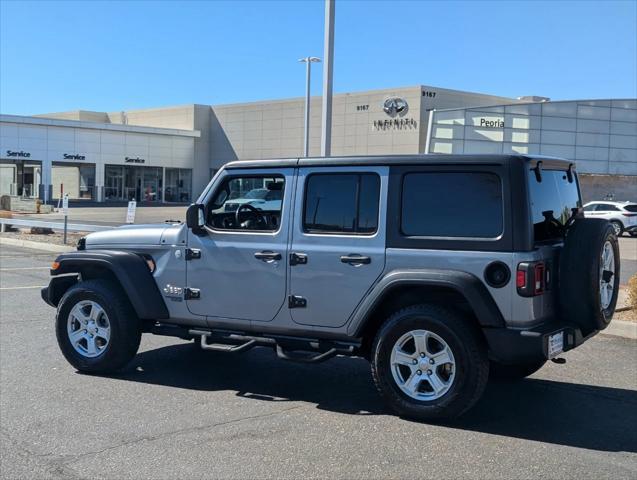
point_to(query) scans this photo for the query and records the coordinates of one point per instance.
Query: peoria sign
(496, 123)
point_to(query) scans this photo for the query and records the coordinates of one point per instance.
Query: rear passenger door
(338, 241)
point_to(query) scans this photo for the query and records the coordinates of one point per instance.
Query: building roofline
(521, 103)
(53, 122)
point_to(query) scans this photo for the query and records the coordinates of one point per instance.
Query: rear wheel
(96, 327)
(429, 363)
(509, 373)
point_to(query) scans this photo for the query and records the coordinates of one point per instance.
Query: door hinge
(192, 294)
(193, 254)
(298, 259)
(295, 301)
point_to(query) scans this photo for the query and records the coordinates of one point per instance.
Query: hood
(151, 234)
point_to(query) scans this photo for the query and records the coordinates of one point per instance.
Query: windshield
(552, 200)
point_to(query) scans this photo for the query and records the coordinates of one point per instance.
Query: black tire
(579, 283)
(468, 348)
(510, 373)
(619, 228)
(632, 233)
(125, 331)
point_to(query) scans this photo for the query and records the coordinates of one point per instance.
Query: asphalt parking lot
(178, 413)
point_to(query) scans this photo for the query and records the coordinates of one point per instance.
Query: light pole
(308, 68)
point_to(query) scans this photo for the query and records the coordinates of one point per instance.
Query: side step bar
(293, 349)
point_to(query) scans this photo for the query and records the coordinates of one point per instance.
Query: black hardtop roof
(395, 160)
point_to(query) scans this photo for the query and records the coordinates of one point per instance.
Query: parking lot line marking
(22, 288)
(23, 268)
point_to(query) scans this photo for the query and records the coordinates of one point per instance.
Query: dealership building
(169, 154)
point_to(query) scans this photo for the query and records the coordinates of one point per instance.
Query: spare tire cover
(589, 274)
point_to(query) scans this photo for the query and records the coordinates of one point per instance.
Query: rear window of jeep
(452, 204)
(552, 200)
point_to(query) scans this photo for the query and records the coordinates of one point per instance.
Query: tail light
(629, 214)
(531, 278)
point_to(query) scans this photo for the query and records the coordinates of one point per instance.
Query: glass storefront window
(21, 179)
(178, 185)
(125, 183)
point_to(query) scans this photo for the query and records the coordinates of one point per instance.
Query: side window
(607, 207)
(590, 208)
(251, 203)
(341, 203)
(452, 204)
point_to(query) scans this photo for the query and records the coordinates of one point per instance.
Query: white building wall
(600, 135)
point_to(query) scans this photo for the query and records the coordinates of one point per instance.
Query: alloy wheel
(88, 328)
(422, 365)
(606, 275)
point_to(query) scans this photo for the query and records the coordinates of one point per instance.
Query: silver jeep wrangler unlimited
(440, 270)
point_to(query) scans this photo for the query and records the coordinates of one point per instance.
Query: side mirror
(195, 218)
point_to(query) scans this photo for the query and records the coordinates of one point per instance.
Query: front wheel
(429, 363)
(96, 327)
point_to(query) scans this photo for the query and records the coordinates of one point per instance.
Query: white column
(47, 175)
(99, 181)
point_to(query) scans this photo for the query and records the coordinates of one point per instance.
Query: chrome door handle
(354, 259)
(267, 256)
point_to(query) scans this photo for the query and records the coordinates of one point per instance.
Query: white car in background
(261, 198)
(622, 215)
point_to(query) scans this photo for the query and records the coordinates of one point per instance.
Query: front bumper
(519, 346)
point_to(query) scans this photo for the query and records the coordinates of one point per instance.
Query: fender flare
(466, 284)
(130, 270)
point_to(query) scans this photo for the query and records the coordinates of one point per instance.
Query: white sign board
(130, 213)
(65, 204)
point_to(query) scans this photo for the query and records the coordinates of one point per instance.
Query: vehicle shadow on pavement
(582, 416)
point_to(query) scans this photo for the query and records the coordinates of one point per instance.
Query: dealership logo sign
(21, 154)
(395, 106)
(134, 160)
(395, 124)
(68, 156)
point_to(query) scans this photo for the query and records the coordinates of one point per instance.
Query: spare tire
(589, 274)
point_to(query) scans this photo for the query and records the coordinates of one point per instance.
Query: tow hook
(560, 361)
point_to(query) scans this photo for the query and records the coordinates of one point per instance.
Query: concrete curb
(47, 247)
(620, 328)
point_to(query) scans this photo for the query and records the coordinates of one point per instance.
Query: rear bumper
(517, 346)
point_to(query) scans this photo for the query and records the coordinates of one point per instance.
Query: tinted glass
(369, 190)
(459, 204)
(607, 207)
(631, 207)
(346, 203)
(552, 200)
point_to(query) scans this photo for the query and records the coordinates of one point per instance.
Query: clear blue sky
(113, 56)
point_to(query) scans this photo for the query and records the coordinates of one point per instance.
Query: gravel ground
(626, 315)
(55, 238)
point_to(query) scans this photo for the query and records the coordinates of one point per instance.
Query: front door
(242, 270)
(338, 241)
